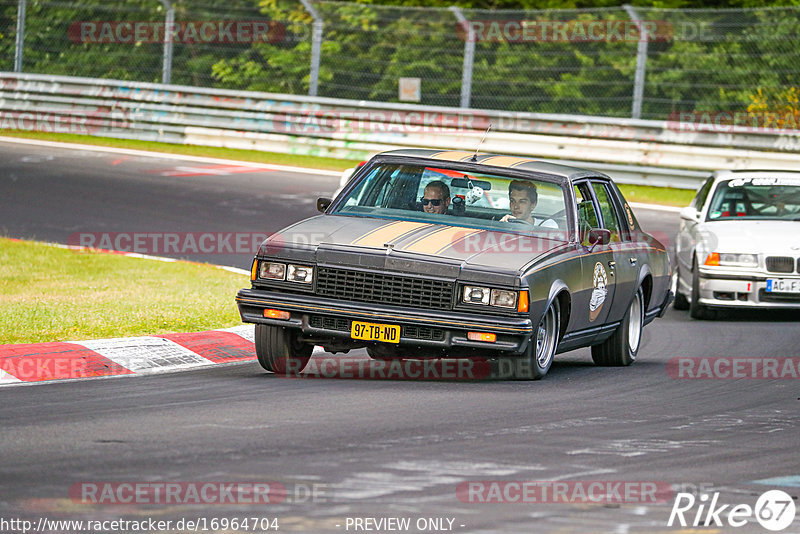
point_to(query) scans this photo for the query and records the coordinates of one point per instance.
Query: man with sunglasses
(436, 197)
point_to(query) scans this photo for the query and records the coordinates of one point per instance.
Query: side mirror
(599, 236)
(690, 214)
(323, 203)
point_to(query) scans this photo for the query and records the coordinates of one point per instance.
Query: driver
(522, 197)
(436, 197)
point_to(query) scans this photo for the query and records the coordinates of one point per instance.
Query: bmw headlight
(739, 260)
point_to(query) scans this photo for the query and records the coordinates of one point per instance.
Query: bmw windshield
(458, 198)
(765, 198)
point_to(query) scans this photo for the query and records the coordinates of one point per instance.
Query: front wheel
(697, 310)
(621, 348)
(538, 357)
(280, 349)
(681, 302)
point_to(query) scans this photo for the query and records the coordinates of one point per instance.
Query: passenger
(522, 198)
(436, 197)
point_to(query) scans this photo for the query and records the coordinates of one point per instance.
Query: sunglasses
(435, 201)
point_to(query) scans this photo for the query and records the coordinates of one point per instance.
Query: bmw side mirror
(690, 214)
(323, 203)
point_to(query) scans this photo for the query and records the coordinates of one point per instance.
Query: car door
(627, 260)
(598, 264)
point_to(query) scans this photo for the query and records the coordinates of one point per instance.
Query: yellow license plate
(389, 333)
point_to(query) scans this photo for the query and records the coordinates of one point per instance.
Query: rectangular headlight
(272, 271)
(476, 295)
(303, 274)
(503, 298)
(738, 260)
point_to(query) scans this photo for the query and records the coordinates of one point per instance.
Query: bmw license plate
(389, 333)
(783, 285)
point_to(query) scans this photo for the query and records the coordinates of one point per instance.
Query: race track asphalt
(375, 448)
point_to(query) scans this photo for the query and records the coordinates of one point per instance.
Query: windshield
(756, 198)
(458, 198)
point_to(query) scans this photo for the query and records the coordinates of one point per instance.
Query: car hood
(397, 240)
(754, 237)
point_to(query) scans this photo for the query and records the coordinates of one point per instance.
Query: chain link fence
(556, 61)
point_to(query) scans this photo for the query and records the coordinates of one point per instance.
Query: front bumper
(747, 290)
(327, 319)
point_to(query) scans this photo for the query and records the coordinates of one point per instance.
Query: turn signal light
(522, 301)
(276, 314)
(254, 270)
(482, 336)
(713, 259)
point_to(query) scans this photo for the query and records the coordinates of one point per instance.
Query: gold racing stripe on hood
(388, 232)
(504, 161)
(438, 241)
(452, 155)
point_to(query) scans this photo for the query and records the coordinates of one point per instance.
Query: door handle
(611, 266)
(633, 261)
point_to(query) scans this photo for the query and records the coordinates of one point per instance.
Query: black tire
(622, 347)
(681, 302)
(538, 357)
(697, 310)
(280, 350)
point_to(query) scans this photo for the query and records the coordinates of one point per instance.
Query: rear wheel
(538, 357)
(623, 345)
(280, 349)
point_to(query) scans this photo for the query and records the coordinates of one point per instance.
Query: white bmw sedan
(739, 243)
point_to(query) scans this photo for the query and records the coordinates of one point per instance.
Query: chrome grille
(780, 264)
(365, 286)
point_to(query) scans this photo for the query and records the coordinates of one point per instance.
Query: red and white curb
(42, 362)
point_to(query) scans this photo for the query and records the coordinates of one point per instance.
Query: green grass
(275, 158)
(55, 294)
(666, 196)
(633, 193)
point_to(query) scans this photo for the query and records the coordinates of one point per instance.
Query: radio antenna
(475, 155)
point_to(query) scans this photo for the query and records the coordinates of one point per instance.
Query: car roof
(506, 161)
(720, 176)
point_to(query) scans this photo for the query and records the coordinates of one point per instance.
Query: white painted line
(145, 354)
(235, 270)
(163, 155)
(655, 207)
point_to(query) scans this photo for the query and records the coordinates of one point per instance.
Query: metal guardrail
(632, 151)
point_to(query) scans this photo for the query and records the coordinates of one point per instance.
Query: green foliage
(708, 60)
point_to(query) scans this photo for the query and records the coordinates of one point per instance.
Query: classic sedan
(739, 243)
(445, 254)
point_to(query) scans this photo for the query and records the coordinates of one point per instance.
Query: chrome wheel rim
(635, 323)
(545, 337)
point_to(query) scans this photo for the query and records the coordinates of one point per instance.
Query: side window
(700, 198)
(610, 215)
(587, 215)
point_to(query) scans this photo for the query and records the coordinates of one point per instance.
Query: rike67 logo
(774, 510)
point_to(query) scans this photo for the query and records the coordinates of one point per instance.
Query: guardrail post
(169, 25)
(641, 62)
(469, 56)
(20, 41)
(316, 45)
